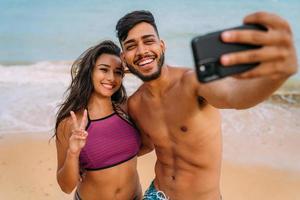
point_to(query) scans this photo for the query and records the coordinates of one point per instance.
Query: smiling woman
(96, 143)
(107, 75)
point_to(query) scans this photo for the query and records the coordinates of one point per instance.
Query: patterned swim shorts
(153, 194)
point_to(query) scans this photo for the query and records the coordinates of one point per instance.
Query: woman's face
(107, 75)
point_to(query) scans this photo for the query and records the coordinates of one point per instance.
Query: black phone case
(207, 50)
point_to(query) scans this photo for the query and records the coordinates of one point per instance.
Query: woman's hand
(79, 135)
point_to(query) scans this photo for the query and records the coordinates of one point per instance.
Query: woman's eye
(104, 69)
(119, 73)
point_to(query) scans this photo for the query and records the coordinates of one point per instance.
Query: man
(179, 117)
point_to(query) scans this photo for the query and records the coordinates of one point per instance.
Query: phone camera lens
(202, 68)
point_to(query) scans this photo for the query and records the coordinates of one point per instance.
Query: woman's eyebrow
(119, 68)
(102, 64)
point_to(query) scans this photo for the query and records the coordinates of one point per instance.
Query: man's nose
(141, 49)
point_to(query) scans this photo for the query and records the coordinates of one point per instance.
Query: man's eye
(130, 47)
(149, 41)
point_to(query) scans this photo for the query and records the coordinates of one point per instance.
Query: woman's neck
(99, 106)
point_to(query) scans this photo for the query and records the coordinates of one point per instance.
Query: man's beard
(150, 77)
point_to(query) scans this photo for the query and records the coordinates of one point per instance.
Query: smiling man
(179, 117)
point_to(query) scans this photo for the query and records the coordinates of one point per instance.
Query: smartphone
(207, 50)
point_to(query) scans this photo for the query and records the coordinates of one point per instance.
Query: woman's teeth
(108, 86)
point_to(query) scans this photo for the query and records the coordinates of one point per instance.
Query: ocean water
(40, 39)
(58, 30)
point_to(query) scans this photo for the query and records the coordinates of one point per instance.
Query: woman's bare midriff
(120, 182)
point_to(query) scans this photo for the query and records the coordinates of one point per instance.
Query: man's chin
(147, 77)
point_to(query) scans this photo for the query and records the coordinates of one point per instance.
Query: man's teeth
(145, 62)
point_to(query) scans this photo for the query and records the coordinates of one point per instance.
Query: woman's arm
(69, 144)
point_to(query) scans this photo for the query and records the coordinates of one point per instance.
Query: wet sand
(28, 167)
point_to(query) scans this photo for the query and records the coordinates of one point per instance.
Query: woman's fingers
(79, 137)
(80, 133)
(83, 123)
(74, 120)
(84, 120)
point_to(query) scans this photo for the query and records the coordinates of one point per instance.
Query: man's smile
(144, 61)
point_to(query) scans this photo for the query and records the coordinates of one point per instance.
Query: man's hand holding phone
(247, 51)
(277, 57)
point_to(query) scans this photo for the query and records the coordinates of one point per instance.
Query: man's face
(143, 52)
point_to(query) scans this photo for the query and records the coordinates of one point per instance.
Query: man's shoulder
(178, 69)
(185, 75)
(135, 98)
(188, 83)
(133, 105)
(136, 95)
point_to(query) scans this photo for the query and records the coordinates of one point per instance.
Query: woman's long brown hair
(81, 87)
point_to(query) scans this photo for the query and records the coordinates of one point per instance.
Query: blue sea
(33, 31)
(40, 39)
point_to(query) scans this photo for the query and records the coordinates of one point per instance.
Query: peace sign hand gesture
(79, 135)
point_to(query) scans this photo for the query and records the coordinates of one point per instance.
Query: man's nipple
(183, 128)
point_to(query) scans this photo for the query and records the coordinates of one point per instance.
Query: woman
(96, 144)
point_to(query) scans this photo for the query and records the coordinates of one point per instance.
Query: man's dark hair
(126, 23)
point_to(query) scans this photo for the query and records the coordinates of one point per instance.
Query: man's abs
(193, 182)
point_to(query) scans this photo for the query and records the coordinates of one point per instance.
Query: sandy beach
(28, 165)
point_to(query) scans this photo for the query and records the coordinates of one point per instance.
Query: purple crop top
(111, 141)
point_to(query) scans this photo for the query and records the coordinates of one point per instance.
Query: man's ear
(163, 45)
(122, 56)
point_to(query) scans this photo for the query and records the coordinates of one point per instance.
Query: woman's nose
(110, 76)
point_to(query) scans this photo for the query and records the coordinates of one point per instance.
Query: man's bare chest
(164, 122)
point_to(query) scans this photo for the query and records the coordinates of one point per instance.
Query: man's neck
(158, 86)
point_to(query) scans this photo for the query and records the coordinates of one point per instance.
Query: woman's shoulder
(67, 121)
(64, 127)
(122, 107)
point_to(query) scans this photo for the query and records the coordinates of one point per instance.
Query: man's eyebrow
(129, 41)
(147, 36)
(143, 37)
